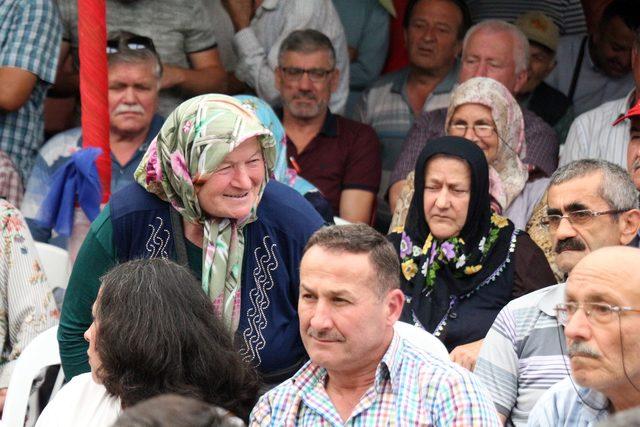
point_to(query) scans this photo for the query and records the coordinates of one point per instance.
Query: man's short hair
(616, 188)
(122, 53)
(460, 4)
(307, 41)
(157, 332)
(627, 10)
(168, 410)
(520, 41)
(362, 239)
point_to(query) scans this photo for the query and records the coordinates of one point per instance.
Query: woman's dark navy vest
(268, 332)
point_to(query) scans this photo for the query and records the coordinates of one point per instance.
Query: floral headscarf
(194, 140)
(281, 172)
(507, 115)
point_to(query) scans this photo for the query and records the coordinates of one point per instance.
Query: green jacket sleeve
(96, 256)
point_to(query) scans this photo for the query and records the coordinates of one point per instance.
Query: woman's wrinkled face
(447, 191)
(475, 123)
(232, 190)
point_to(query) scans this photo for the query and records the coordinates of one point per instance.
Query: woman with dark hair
(461, 263)
(154, 331)
(203, 197)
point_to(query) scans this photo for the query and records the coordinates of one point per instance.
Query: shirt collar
(308, 377)
(446, 85)
(329, 126)
(269, 4)
(552, 298)
(592, 402)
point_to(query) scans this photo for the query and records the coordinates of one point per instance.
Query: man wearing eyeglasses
(601, 318)
(339, 156)
(591, 204)
(134, 76)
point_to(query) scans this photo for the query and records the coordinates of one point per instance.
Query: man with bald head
(601, 317)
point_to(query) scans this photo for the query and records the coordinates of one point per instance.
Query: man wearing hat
(633, 148)
(550, 104)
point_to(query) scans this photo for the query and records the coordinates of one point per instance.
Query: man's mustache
(129, 108)
(325, 335)
(579, 348)
(570, 244)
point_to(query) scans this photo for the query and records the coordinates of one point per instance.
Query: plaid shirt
(411, 387)
(30, 34)
(11, 188)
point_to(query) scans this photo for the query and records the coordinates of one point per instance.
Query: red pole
(92, 33)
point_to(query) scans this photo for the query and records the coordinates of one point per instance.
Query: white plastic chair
(55, 262)
(422, 339)
(339, 221)
(41, 352)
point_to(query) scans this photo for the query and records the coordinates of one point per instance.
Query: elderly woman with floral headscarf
(484, 111)
(203, 198)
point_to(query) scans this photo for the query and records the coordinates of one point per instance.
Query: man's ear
(394, 302)
(335, 80)
(278, 78)
(629, 222)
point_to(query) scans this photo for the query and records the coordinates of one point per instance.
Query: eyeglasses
(482, 131)
(125, 40)
(597, 312)
(580, 217)
(316, 75)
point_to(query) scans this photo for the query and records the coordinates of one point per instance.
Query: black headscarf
(429, 307)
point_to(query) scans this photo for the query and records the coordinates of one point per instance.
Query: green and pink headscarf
(193, 142)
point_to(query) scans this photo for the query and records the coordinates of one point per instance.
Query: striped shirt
(30, 34)
(412, 387)
(523, 353)
(562, 406)
(566, 14)
(592, 135)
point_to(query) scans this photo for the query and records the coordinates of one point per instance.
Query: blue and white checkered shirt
(411, 387)
(30, 35)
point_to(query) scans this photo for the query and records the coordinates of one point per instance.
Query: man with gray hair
(135, 72)
(498, 50)
(361, 372)
(339, 156)
(591, 204)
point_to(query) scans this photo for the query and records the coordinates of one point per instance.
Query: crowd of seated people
(484, 154)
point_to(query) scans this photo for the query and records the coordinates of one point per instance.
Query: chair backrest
(422, 339)
(41, 352)
(55, 262)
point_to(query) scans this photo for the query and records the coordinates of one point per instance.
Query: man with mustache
(339, 156)
(135, 72)
(361, 372)
(591, 204)
(601, 317)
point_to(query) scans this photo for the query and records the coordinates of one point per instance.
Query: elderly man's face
(432, 35)
(342, 318)
(572, 241)
(541, 62)
(633, 152)
(597, 344)
(491, 54)
(133, 97)
(613, 44)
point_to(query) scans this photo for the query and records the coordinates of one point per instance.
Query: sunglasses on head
(120, 41)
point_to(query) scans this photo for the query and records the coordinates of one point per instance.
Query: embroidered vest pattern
(158, 240)
(266, 262)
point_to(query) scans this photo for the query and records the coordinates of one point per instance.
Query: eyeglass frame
(592, 215)
(308, 72)
(562, 309)
(493, 128)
